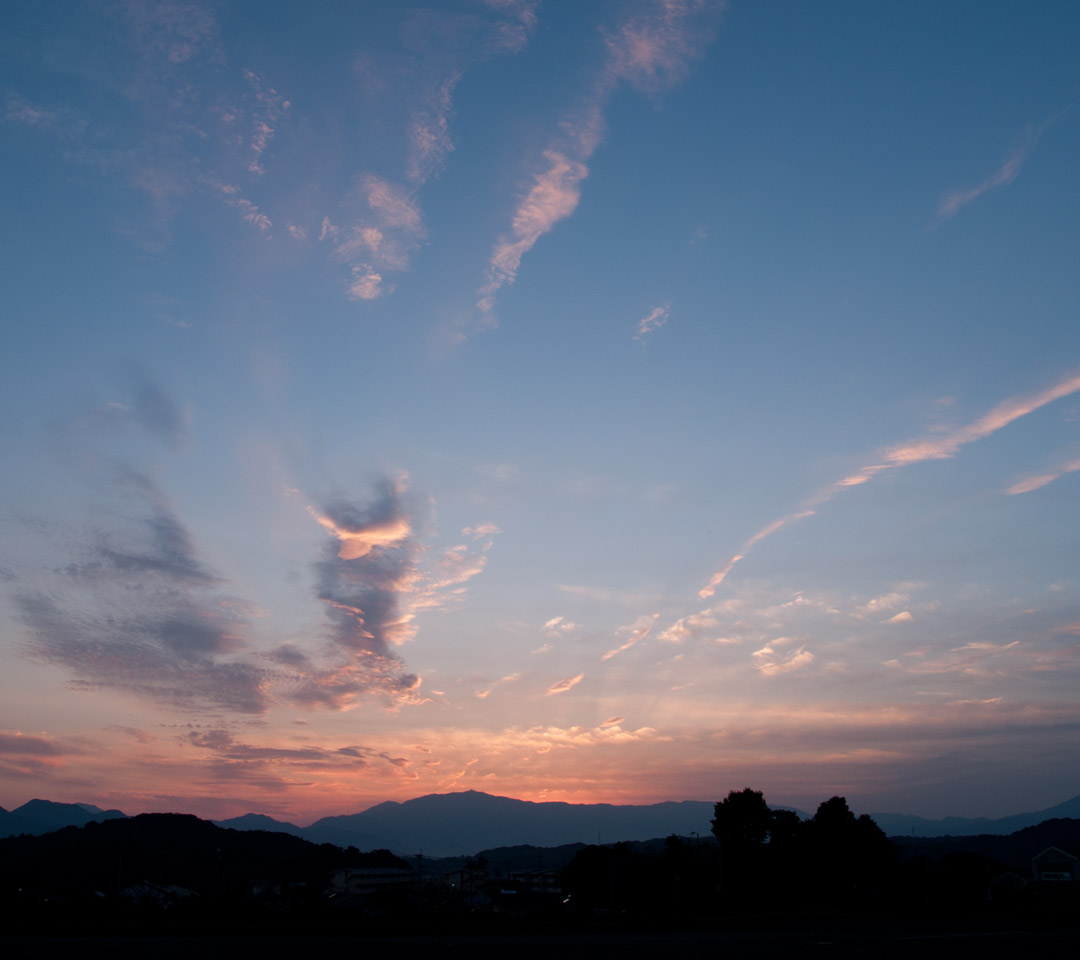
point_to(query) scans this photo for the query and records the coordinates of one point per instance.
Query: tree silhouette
(853, 857)
(741, 821)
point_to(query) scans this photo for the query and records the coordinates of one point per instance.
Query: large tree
(742, 820)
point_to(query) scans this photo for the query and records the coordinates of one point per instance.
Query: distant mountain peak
(39, 816)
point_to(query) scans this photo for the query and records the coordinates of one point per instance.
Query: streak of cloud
(694, 626)
(717, 578)
(566, 684)
(651, 50)
(1006, 412)
(654, 320)
(18, 744)
(385, 225)
(558, 626)
(486, 692)
(269, 106)
(140, 612)
(480, 531)
(919, 450)
(1005, 174)
(25, 757)
(1041, 480)
(635, 633)
(770, 663)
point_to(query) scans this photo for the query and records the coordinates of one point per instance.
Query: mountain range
(43, 816)
(451, 824)
(455, 824)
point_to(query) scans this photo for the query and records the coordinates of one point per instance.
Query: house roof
(1054, 854)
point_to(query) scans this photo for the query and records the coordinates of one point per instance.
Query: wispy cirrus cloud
(140, 612)
(771, 662)
(201, 127)
(136, 608)
(177, 31)
(568, 683)
(634, 633)
(952, 203)
(486, 692)
(382, 224)
(977, 660)
(480, 531)
(230, 195)
(717, 578)
(382, 237)
(653, 320)
(651, 50)
(16, 744)
(558, 626)
(941, 446)
(705, 625)
(143, 406)
(23, 757)
(553, 196)
(268, 107)
(1006, 412)
(1041, 480)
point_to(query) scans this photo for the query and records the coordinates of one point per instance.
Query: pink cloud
(389, 228)
(269, 106)
(651, 50)
(770, 663)
(717, 578)
(230, 194)
(692, 627)
(553, 197)
(558, 626)
(637, 631)
(480, 531)
(654, 320)
(365, 284)
(935, 447)
(563, 685)
(16, 744)
(359, 539)
(1041, 480)
(1006, 412)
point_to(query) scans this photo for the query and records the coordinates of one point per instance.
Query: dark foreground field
(712, 944)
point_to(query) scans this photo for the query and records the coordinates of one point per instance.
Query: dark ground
(711, 944)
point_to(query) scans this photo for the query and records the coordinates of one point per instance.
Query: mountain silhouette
(459, 824)
(451, 824)
(36, 817)
(170, 849)
(259, 821)
(900, 824)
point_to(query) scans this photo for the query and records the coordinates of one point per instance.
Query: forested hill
(170, 849)
(1013, 851)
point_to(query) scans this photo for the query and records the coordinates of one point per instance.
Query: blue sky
(596, 402)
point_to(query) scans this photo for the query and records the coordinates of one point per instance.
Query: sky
(610, 402)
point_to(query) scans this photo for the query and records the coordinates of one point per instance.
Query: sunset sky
(609, 401)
